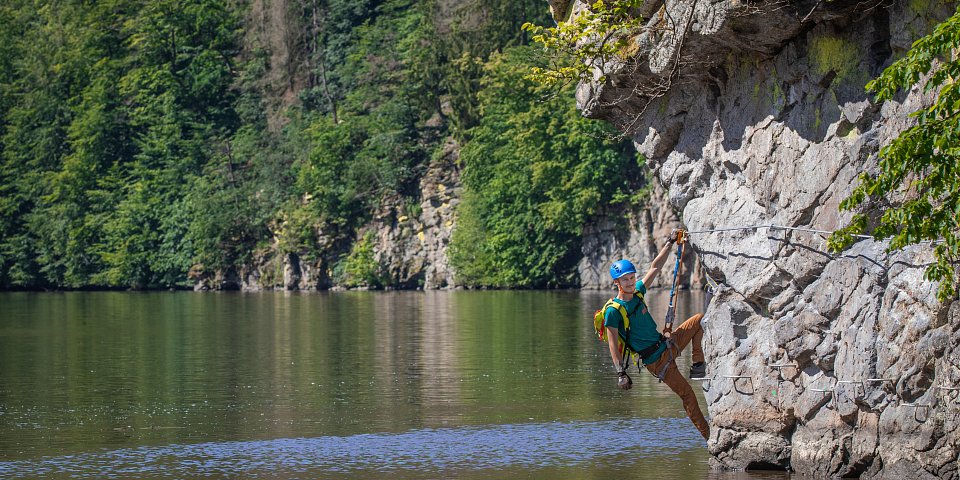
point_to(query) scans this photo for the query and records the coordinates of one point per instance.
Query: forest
(145, 143)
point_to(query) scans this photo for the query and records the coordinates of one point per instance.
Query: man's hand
(673, 235)
(623, 381)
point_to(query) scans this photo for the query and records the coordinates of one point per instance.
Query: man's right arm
(624, 382)
(612, 342)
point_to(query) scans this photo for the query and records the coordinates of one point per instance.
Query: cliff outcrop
(411, 247)
(408, 244)
(754, 113)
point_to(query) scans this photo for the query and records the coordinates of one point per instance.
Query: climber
(658, 352)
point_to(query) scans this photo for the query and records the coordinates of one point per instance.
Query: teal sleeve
(612, 318)
(641, 287)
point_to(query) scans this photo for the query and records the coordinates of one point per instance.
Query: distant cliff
(382, 154)
(754, 113)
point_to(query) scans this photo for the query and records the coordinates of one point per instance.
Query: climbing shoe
(698, 370)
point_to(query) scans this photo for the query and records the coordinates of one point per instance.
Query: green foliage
(52, 51)
(143, 139)
(360, 268)
(121, 105)
(377, 144)
(599, 34)
(920, 169)
(466, 44)
(534, 171)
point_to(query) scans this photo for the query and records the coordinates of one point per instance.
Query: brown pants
(688, 331)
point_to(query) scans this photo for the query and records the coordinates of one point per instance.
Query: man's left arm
(657, 263)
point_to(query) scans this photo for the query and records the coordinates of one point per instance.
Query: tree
(917, 187)
(576, 47)
(534, 171)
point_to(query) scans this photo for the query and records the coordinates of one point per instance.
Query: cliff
(410, 243)
(754, 113)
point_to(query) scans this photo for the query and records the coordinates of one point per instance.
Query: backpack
(601, 331)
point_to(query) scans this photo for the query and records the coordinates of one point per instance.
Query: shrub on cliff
(921, 165)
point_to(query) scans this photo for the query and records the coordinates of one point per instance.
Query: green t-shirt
(643, 330)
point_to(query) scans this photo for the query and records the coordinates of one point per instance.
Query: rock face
(754, 113)
(637, 235)
(409, 244)
(412, 249)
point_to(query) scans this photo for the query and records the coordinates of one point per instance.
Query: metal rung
(948, 396)
(780, 367)
(918, 407)
(739, 377)
(850, 382)
(706, 382)
(836, 387)
(827, 392)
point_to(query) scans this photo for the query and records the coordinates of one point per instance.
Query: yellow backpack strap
(620, 308)
(621, 341)
(626, 318)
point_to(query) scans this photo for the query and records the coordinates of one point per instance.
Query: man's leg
(690, 332)
(679, 385)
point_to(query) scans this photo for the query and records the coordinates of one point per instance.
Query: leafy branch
(599, 34)
(919, 170)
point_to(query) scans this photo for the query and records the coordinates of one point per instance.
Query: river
(466, 384)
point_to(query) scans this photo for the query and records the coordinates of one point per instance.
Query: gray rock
(411, 247)
(637, 234)
(765, 121)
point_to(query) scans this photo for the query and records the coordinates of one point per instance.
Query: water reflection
(234, 384)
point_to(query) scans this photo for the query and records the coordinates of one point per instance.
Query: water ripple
(531, 446)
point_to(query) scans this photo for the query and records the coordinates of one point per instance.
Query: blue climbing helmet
(621, 268)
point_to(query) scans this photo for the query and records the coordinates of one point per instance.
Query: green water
(332, 385)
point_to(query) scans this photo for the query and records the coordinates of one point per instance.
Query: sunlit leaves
(920, 169)
(595, 36)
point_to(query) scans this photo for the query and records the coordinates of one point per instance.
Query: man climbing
(657, 352)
